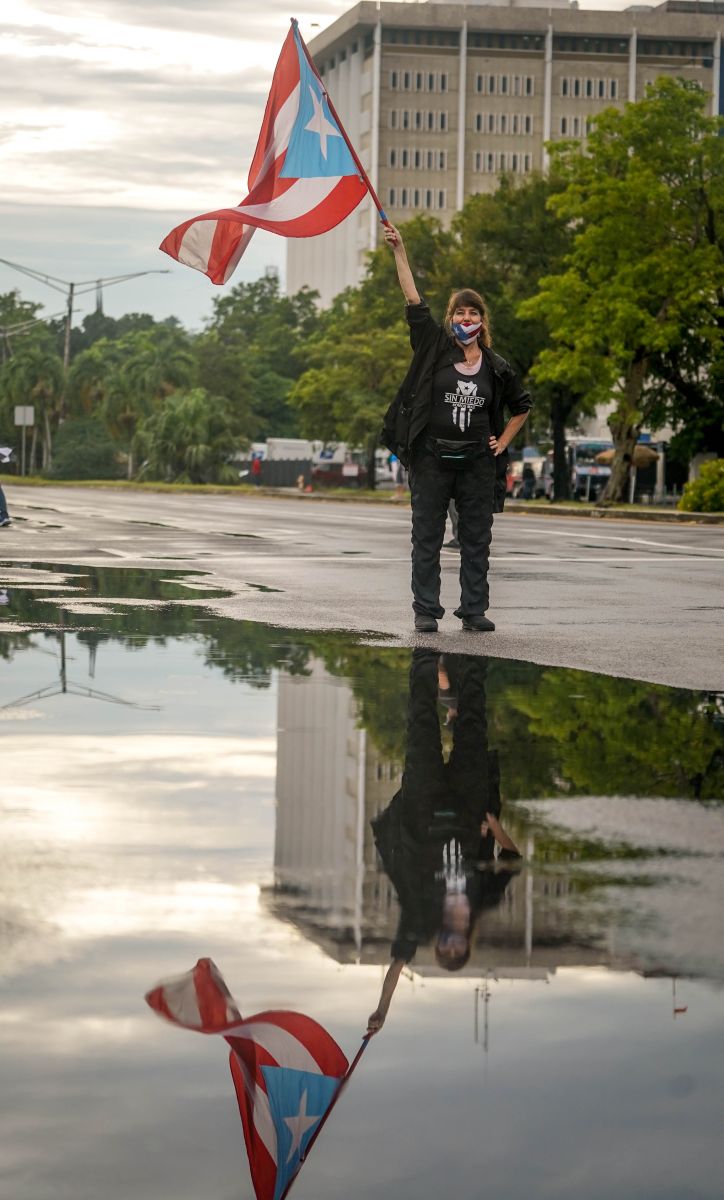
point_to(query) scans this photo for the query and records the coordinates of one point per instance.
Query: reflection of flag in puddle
(287, 1070)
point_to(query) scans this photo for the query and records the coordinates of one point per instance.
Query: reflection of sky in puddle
(135, 840)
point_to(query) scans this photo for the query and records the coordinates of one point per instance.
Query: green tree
(189, 438)
(644, 273)
(504, 242)
(34, 375)
(252, 352)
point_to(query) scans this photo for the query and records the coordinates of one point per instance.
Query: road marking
(613, 537)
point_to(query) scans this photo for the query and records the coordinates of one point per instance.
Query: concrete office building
(440, 98)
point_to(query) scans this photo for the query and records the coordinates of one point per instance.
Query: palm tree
(34, 375)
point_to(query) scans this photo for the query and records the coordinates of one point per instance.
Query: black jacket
(409, 413)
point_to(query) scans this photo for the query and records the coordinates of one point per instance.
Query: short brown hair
(467, 298)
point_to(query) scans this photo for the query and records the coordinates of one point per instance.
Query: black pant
(433, 486)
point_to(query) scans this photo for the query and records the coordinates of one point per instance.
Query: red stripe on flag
(261, 1164)
(284, 81)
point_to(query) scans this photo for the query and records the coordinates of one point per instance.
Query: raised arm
(377, 1019)
(404, 274)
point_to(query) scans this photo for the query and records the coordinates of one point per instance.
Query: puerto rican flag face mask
(466, 334)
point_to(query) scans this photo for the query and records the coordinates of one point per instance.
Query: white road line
(612, 537)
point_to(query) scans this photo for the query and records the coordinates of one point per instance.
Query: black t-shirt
(461, 404)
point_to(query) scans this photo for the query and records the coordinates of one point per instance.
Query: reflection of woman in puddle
(438, 836)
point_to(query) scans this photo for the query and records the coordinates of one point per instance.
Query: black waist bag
(458, 455)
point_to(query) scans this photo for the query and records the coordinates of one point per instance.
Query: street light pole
(68, 324)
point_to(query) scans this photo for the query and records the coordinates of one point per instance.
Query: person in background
(255, 469)
(438, 836)
(4, 515)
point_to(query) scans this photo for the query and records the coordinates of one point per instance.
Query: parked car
(339, 474)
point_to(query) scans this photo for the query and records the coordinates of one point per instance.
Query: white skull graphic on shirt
(464, 401)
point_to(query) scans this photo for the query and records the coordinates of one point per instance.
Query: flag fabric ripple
(286, 1069)
(303, 179)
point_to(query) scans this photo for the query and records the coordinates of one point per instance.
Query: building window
(441, 198)
(528, 125)
(478, 122)
(392, 197)
(403, 198)
(431, 82)
(564, 125)
(418, 120)
(405, 158)
(419, 82)
(406, 81)
(491, 85)
(477, 159)
(394, 79)
(564, 87)
(602, 89)
(428, 198)
(503, 123)
(478, 84)
(393, 158)
(576, 87)
(515, 123)
(393, 118)
(430, 121)
(417, 161)
(443, 121)
(442, 160)
(504, 85)
(613, 89)
(502, 162)
(416, 198)
(529, 84)
(443, 81)
(576, 126)
(589, 89)
(405, 118)
(491, 162)
(527, 162)
(516, 85)
(514, 162)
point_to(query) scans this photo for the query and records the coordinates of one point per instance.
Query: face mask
(466, 334)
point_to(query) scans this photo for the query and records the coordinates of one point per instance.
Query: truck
(279, 448)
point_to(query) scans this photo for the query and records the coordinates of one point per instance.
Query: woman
(437, 837)
(447, 426)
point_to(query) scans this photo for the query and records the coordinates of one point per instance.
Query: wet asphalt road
(627, 598)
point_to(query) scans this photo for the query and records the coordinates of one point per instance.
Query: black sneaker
(452, 544)
(425, 624)
(478, 624)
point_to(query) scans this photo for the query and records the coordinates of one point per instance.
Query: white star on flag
(299, 1125)
(319, 123)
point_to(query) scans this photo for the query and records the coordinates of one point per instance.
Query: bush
(83, 449)
(705, 494)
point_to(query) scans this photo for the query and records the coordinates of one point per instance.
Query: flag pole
(342, 1085)
(365, 177)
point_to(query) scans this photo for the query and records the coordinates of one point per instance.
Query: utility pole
(74, 288)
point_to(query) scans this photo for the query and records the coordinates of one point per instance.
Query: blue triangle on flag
(317, 149)
(298, 1100)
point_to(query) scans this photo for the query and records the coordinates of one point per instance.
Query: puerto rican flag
(286, 1068)
(303, 179)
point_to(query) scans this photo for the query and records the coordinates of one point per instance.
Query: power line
(73, 288)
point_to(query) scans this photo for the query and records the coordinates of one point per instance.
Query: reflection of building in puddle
(329, 882)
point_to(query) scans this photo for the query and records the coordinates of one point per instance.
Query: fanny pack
(456, 454)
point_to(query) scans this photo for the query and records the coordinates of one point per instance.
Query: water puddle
(514, 872)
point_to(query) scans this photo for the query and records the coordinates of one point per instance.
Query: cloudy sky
(120, 118)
